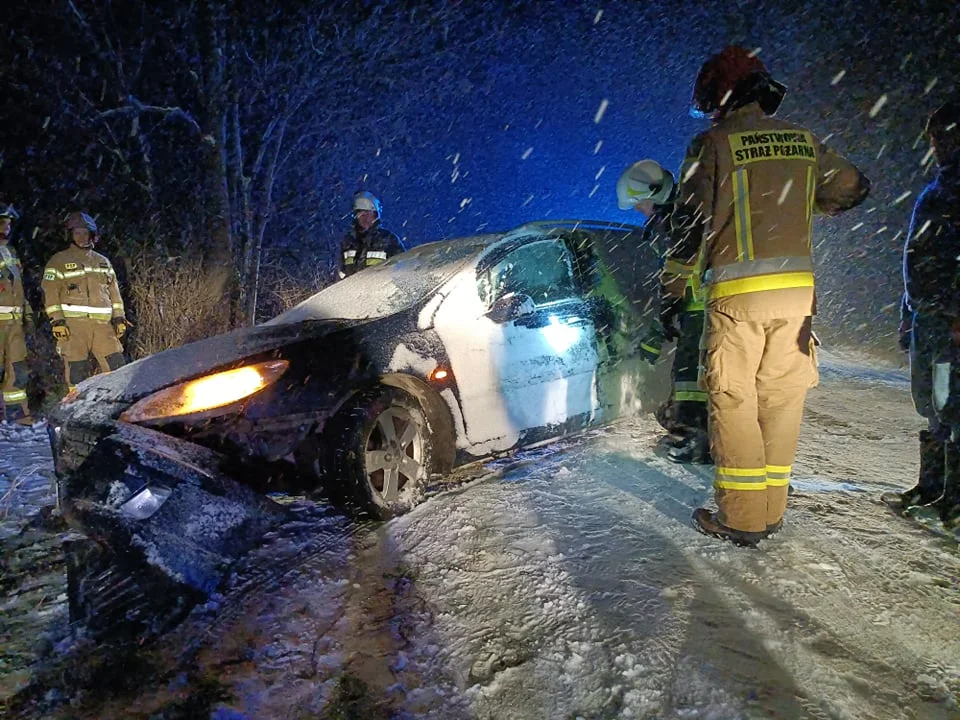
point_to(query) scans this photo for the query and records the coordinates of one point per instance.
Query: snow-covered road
(568, 582)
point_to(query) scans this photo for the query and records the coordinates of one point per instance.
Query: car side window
(543, 270)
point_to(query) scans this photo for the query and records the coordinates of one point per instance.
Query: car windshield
(382, 290)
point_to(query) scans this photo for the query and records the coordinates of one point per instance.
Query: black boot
(708, 523)
(695, 449)
(929, 488)
(950, 504)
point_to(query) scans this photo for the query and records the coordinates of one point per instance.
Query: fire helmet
(365, 200)
(732, 78)
(79, 221)
(644, 180)
(9, 211)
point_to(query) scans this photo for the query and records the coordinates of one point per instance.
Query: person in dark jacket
(930, 323)
(649, 188)
(367, 244)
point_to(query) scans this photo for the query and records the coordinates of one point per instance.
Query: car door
(528, 361)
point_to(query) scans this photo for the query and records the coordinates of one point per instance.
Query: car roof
(533, 229)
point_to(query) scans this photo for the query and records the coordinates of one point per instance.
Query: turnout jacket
(13, 302)
(931, 255)
(79, 283)
(366, 249)
(749, 188)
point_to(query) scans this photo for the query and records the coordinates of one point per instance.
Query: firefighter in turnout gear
(931, 324)
(750, 186)
(83, 302)
(15, 313)
(649, 188)
(367, 244)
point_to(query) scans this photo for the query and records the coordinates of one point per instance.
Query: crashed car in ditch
(447, 354)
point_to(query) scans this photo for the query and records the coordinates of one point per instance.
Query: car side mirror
(511, 306)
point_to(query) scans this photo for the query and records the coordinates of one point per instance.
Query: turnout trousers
(689, 400)
(757, 374)
(13, 369)
(89, 337)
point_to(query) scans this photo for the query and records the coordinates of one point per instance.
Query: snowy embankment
(569, 583)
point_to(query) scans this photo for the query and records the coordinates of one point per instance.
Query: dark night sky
(497, 127)
(642, 60)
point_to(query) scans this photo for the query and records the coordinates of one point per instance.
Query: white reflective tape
(377, 254)
(941, 385)
(9, 309)
(87, 309)
(350, 254)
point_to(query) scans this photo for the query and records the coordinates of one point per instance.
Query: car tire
(378, 454)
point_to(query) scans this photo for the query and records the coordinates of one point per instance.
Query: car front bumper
(162, 505)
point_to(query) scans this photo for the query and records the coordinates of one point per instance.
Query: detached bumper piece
(168, 521)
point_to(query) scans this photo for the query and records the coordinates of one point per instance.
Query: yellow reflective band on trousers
(14, 397)
(778, 475)
(729, 478)
(686, 391)
(650, 349)
(741, 211)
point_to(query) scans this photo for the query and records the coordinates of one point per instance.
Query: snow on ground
(567, 582)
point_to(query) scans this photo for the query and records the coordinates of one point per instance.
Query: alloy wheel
(393, 456)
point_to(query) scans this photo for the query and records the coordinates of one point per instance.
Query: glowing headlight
(206, 393)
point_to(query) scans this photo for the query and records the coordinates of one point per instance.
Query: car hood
(146, 376)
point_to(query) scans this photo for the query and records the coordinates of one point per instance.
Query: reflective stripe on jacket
(749, 188)
(80, 283)
(13, 303)
(373, 247)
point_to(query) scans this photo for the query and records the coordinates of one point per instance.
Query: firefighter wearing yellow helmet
(15, 313)
(83, 302)
(647, 187)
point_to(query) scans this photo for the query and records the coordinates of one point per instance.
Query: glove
(60, 330)
(670, 309)
(120, 325)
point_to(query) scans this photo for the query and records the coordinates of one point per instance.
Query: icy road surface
(569, 583)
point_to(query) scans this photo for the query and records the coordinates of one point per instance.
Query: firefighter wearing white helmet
(649, 188)
(15, 315)
(367, 243)
(82, 300)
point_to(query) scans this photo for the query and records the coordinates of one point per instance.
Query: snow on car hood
(140, 378)
(382, 290)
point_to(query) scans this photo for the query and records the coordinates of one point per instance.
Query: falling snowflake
(786, 189)
(927, 157)
(930, 86)
(691, 170)
(599, 172)
(465, 202)
(903, 197)
(878, 105)
(597, 147)
(601, 110)
(594, 191)
(597, 17)
(526, 153)
(838, 77)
